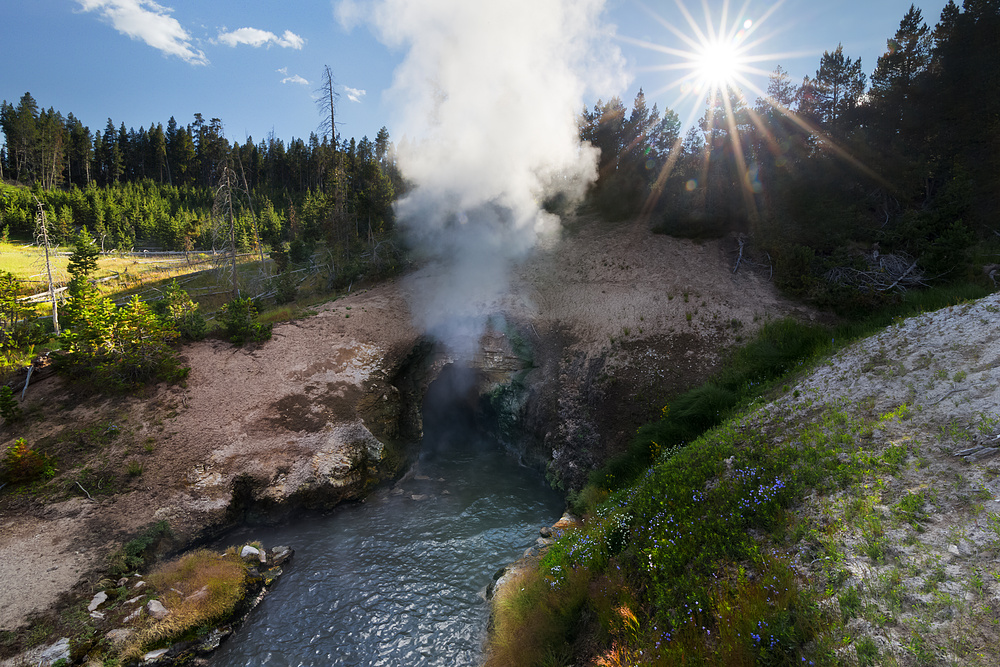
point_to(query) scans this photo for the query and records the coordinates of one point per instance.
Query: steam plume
(488, 94)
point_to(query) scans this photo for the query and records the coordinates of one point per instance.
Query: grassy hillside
(826, 521)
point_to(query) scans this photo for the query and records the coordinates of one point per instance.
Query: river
(398, 579)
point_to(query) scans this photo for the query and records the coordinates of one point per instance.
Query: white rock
(98, 600)
(153, 656)
(249, 552)
(99, 615)
(198, 595)
(139, 584)
(156, 609)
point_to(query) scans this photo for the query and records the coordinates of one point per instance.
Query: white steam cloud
(489, 94)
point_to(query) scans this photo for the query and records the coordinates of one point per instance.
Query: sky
(257, 65)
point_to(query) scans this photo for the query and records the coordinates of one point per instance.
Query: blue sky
(256, 64)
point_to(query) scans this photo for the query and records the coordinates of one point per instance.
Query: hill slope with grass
(850, 517)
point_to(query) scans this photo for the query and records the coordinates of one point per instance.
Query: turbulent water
(398, 579)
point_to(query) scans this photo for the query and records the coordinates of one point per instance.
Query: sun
(716, 64)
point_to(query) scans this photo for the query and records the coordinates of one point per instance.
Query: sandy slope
(935, 590)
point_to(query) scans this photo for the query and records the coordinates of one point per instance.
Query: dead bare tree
(327, 105)
(232, 194)
(744, 256)
(42, 236)
(224, 226)
(253, 217)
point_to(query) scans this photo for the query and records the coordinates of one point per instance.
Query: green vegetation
(137, 553)
(10, 411)
(690, 564)
(239, 320)
(779, 348)
(21, 464)
(684, 554)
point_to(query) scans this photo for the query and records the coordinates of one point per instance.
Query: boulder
(249, 552)
(156, 609)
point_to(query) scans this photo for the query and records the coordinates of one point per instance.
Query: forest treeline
(157, 186)
(847, 188)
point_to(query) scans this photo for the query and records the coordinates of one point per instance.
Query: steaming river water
(398, 579)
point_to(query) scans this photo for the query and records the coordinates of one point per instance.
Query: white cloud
(294, 78)
(354, 94)
(256, 37)
(150, 22)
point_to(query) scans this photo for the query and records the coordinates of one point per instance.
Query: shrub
(239, 319)
(18, 329)
(22, 464)
(123, 347)
(299, 251)
(135, 553)
(9, 409)
(286, 288)
(177, 309)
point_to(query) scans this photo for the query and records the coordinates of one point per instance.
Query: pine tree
(83, 261)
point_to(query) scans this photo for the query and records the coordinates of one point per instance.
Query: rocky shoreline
(125, 612)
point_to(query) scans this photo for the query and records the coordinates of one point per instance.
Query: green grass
(681, 537)
(137, 552)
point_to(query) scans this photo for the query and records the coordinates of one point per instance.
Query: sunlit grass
(198, 589)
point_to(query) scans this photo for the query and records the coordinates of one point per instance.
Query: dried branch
(84, 490)
(883, 273)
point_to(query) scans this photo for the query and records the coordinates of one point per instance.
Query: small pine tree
(9, 409)
(177, 308)
(239, 317)
(15, 316)
(83, 261)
